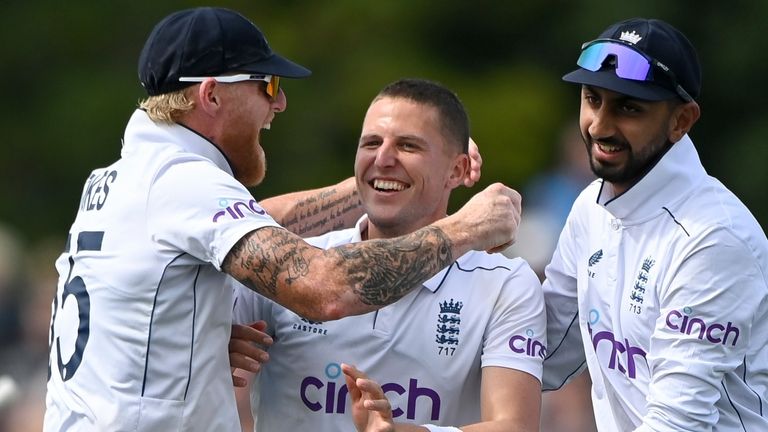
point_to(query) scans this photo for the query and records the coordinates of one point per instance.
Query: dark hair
(453, 117)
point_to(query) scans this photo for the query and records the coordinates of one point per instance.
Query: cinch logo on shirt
(324, 395)
(715, 332)
(621, 351)
(527, 345)
(235, 211)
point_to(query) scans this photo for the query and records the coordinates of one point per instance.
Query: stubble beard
(259, 171)
(632, 169)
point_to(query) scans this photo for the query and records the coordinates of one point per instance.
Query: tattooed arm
(358, 278)
(348, 280)
(316, 211)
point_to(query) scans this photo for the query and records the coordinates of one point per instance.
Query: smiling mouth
(389, 185)
(268, 124)
(609, 148)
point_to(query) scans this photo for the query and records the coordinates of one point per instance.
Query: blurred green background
(69, 84)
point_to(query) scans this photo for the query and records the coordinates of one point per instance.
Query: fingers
(475, 164)
(351, 374)
(250, 363)
(371, 411)
(254, 332)
(516, 200)
(259, 325)
(243, 353)
(379, 405)
(374, 398)
(513, 216)
(239, 381)
(492, 217)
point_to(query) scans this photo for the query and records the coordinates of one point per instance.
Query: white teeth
(267, 126)
(609, 148)
(388, 185)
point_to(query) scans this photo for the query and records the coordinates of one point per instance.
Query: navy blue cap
(207, 42)
(658, 40)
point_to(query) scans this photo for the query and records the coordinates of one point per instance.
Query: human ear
(684, 116)
(208, 95)
(458, 171)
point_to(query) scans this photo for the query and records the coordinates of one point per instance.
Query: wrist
(456, 232)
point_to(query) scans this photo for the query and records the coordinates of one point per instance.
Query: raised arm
(358, 278)
(316, 211)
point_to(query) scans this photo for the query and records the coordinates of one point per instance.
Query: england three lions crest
(448, 327)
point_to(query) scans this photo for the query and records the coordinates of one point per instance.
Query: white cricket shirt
(663, 291)
(142, 314)
(427, 349)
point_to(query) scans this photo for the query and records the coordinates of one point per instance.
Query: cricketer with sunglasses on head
(143, 310)
(658, 282)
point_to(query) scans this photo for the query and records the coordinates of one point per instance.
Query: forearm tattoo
(268, 255)
(377, 272)
(325, 211)
(382, 271)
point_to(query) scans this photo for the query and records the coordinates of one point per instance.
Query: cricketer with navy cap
(142, 314)
(658, 282)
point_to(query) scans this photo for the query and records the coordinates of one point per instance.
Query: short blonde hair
(168, 107)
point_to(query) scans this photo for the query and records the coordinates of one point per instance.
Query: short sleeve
(516, 333)
(198, 209)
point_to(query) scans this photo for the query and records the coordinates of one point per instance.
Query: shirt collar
(360, 226)
(141, 131)
(672, 178)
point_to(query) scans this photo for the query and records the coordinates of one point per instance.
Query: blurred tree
(69, 83)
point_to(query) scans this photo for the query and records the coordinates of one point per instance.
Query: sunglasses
(273, 81)
(630, 63)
